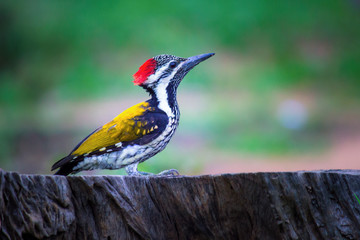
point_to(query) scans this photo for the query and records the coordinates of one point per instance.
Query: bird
(141, 131)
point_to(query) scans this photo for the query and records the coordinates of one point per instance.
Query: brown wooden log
(288, 205)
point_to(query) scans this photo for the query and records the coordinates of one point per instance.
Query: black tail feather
(66, 165)
(66, 169)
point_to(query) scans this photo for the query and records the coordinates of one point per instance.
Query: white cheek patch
(155, 76)
(161, 93)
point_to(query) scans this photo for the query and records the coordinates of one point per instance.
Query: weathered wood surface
(293, 205)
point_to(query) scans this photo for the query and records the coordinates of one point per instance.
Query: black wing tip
(63, 171)
(65, 166)
(60, 163)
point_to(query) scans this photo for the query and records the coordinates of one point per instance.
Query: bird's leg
(132, 170)
(170, 172)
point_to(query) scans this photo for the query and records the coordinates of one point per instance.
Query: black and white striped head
(164, 70)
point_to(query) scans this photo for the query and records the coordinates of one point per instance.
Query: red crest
(144, 71)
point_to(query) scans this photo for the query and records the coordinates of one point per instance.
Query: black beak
(195, 60)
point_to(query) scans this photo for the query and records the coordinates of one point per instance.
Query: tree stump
(279, 205)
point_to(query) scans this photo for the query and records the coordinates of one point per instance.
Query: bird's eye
(173, 64)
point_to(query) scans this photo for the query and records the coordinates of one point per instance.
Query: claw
(138, 173)
(170, 172)
(132, 171)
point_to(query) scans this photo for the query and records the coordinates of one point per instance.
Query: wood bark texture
(286, 205)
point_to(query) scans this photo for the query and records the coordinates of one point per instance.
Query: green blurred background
(282, 92)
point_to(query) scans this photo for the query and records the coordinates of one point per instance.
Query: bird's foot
(132, 171)
(170, 172)
(139, 173)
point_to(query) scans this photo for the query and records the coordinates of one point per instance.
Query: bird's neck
(165, 97)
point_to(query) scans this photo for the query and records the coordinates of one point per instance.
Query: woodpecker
(142, 130)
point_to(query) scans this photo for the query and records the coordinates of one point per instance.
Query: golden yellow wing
(127, 126)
